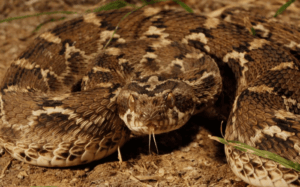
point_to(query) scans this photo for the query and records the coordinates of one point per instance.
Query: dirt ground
(187, 157)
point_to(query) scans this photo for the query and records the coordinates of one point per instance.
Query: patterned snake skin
(67, 101)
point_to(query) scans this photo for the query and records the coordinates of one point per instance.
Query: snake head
(156, 108)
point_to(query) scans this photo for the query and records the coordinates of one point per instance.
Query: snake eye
(170, 100)
(131, 102)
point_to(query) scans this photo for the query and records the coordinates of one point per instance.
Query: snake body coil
(67, 101)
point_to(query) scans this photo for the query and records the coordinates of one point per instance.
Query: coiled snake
(67, 101)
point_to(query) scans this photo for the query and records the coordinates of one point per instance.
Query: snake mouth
(155, 127)
(141, 124)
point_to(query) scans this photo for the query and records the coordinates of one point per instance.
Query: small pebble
(22, 174)
(199, 136)
(65, 181)
(194, 144)
(207, 163)
(18, 166)
(189, 168)
(185, 149)
(226, 181)
(161, 171)
(80, 173)
(74, 180)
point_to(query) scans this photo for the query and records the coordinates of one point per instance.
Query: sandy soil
(187, 157)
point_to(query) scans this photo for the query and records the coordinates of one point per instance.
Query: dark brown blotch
(203, 30)
(66, 26)
(28, 159)
(107, 26)
(72, 157)
(242, 173)
(78, 152)
(127, 68)
(174, 115)
(184, 103)
(242, 48)
(63, 47)
(51, 103)
(53, 82)
(159, 23)
(197, 44)
(153, 36)
(37, 47)
(63, 155)
(150, 49)
(22, 154)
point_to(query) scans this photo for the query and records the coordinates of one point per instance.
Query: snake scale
(67, 101)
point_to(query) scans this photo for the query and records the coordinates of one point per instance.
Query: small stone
(189, 168)
(207, 163)
(22, 174)
(226, 181)
(80, 173)
(237, 179)
(65, 181)
(74, 180)
(170, 178)
(199, 136)
(18, 166)
(161, 172)
(185, 149)
(194, 144)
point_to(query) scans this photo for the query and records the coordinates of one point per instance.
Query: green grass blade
(112, 6)
(183, 5)
(153, 1)
(51, 20)
(253, 31)
(283, 7)
(265, 154)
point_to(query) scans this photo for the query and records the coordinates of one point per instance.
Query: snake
(70, 99)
